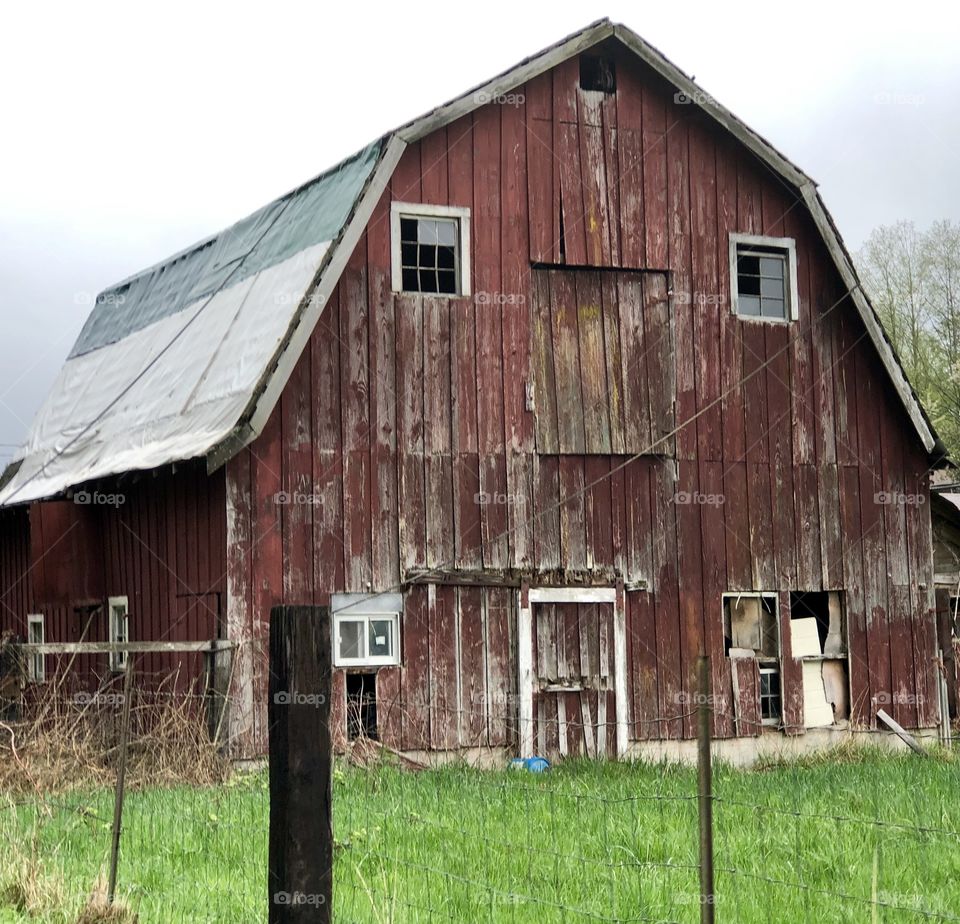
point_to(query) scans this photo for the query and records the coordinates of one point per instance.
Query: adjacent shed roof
(188, 358)
(168, 359)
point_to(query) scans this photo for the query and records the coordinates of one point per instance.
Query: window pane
(748, 265)
(447, 282)
(773, 308)
(427, 255)
(410, 283)
(771, 288)
(427, 232)
(408, 229)
(770, 694)
(381, 638)
(445, 258)
(748, 305)
(428, 280)
(748, 285)
(351, 639)
(408, 254)
(771, 266)
(447, 233)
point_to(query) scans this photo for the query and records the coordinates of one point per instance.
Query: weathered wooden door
(574, 698)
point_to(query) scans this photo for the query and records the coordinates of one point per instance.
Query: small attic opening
(598, 73)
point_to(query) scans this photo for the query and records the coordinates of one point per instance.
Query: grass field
(614, 842)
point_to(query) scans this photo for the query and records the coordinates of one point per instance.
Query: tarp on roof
(169, 359)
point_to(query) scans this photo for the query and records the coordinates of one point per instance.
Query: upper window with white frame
(763, 277)
(430, 249)
(37, 664)
(119, 631)
(366, 629)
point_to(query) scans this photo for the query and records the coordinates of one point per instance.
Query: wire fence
(854, 836)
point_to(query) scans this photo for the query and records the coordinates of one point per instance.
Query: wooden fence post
(300, 877)
(705, 777)
(121, 781)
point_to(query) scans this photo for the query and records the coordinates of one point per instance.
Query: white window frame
(400, 210)
(118, 659)
(525, 604)
(364, 608)
(37, 665)
(765, 667)
(786, 244)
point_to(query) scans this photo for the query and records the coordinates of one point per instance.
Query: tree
(913, 281)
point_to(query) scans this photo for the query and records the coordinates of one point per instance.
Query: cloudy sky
(131, 131)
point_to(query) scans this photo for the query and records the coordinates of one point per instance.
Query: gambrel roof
(188, 358)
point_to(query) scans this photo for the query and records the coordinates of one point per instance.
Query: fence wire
(847, 838)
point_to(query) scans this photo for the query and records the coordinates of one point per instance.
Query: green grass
(582, 842)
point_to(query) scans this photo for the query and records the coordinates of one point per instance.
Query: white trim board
(525, 678)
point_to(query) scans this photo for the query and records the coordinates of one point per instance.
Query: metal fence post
(705, 796)
(300, 876)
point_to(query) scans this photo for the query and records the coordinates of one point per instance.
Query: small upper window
(366, 629)
(431, 249)
(36, 666)
(119, 631)
(763, 277)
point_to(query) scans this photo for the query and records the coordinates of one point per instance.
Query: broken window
(818, 638)
(751, 634)
(750, 624)
(763, 276)
(430, 249)
(597, 72)
(361, 706)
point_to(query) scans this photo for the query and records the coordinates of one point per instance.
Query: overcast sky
(130, 131)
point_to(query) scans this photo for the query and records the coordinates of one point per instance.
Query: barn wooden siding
(15, 578)
(403, 409)
(163, 548)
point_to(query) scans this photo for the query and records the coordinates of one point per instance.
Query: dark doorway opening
(361, 706)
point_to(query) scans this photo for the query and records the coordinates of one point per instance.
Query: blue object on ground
(530, 764)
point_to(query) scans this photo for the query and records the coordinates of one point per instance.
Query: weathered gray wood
(76, 648)
(901, 733)
(219, 674)
(300, 877)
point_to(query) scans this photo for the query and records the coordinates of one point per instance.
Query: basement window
(430, 249)
(119, 631)
(37, 663)
(366, 629)
(598, 73)
(763, 277)
(770, 701)
(361, 706)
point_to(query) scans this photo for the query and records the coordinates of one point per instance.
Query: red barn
(547, 392)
